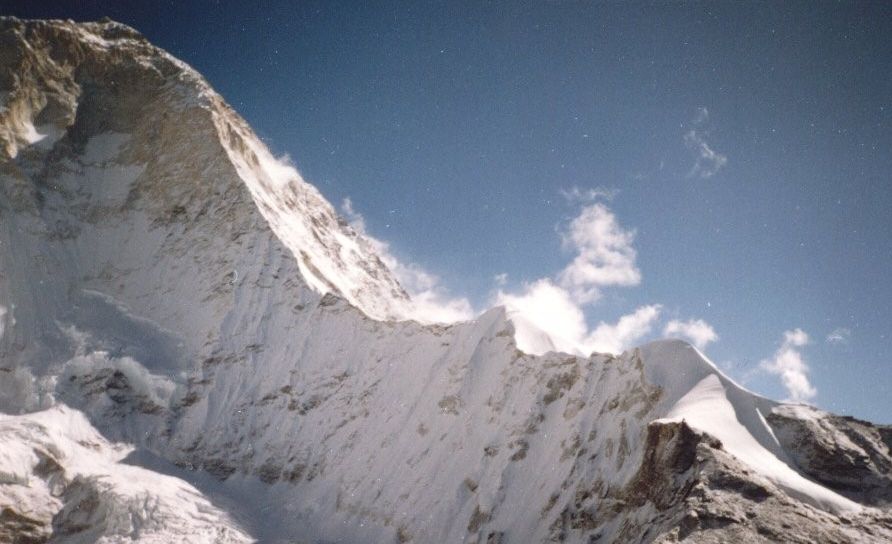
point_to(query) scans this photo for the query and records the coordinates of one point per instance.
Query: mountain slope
(163, 274)
(61, 478)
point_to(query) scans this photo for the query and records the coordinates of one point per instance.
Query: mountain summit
(194, 347)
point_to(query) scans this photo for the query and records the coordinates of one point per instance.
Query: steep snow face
(59, 477)
(149, 222)
(124, 124)
(162, 273)
(331, 256)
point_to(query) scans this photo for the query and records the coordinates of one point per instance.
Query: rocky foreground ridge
(195, 347)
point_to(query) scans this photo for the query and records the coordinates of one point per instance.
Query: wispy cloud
(431, 302)
(840, 335)
(576, 195)
(701, 116)
(792, 368)
(699, 332)
(707, 160)
(605, 255)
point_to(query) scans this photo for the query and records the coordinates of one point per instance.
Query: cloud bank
(626, 332)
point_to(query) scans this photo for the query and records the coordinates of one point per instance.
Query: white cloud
(543, 307)
(547, 317)
(430, 300)
(791, 367)
(548, 313)
(840, 335)
(699, 332)
(576, 195)
(796, 337)
(707, 160)
(605, 254)
(436, 306)
(625, 333)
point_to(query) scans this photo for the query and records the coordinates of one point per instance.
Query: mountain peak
(75, 83)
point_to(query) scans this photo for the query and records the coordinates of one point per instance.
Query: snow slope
(58, 474)
(735, 417)
(164, 275)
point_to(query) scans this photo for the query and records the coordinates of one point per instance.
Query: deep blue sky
(454, 127)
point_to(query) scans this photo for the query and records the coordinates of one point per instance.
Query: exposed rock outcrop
(850, 456)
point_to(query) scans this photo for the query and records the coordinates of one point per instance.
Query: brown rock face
(670, 452)
(18, 528)
(701, 494)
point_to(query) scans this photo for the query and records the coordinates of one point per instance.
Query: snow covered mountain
(204, 351)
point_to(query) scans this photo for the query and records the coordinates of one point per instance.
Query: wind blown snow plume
(699, 332)
(430, 301)
(546, 318)
(791, 367)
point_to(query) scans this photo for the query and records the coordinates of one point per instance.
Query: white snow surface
(116, 502)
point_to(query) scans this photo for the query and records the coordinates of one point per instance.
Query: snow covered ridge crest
(163, 275)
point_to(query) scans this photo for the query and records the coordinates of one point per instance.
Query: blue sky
(745, 152)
